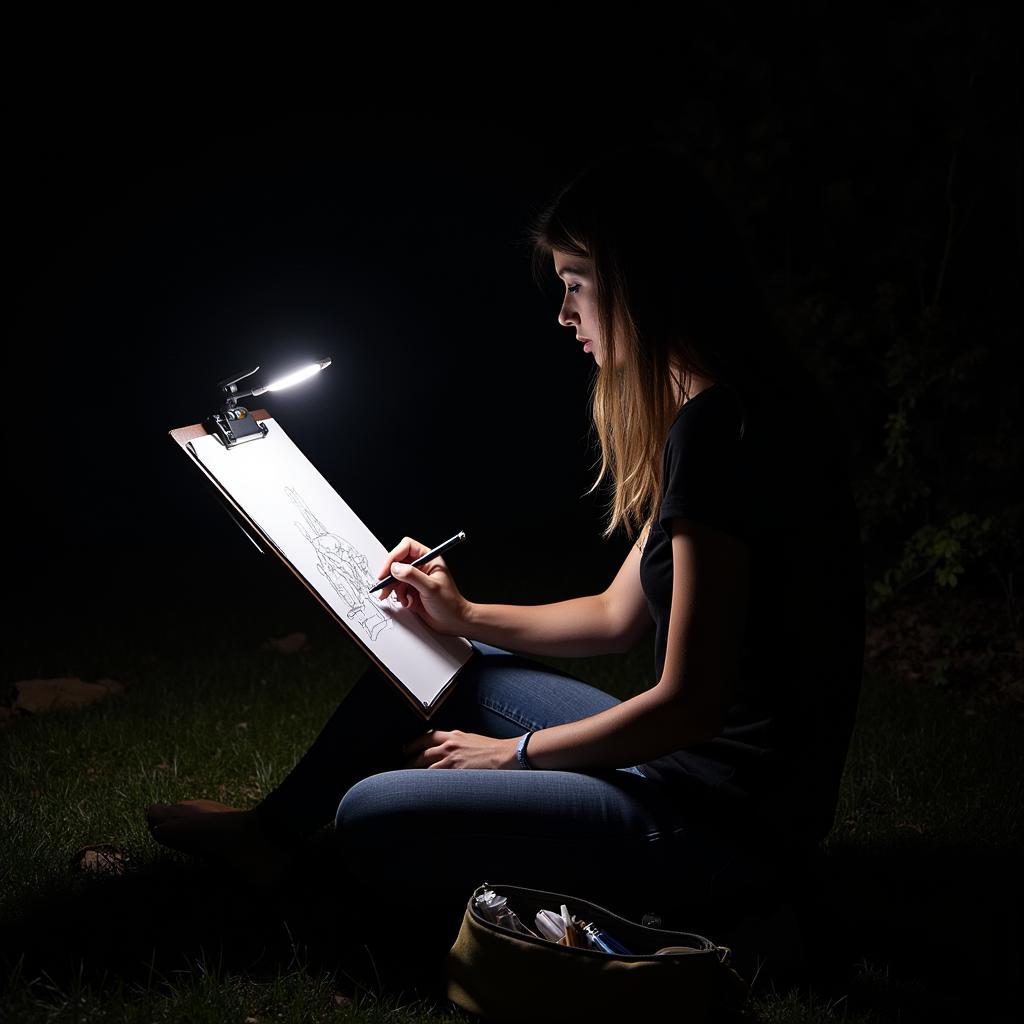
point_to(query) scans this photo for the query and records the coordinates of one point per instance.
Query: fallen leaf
(290, 644)
(103, 858)
(342, 1000)
(36, 695)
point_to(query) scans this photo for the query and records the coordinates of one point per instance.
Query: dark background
(872, 165)
(160, 240)
(157, 262)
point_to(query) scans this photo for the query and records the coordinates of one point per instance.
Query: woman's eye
(572, 289)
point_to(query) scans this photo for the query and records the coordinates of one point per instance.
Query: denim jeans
(594, 833)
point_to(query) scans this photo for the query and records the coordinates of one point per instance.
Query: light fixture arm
(233, 424)
(229, 390)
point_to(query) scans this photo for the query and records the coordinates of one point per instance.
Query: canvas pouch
(504, 976)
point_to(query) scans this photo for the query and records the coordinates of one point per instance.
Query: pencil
(439, 550)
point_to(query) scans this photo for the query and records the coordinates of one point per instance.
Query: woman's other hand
(428, 590)
(453, 748)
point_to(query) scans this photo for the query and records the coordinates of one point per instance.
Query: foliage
(941, 551)
(883, 213)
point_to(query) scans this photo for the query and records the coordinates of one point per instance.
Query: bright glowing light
(296, 377)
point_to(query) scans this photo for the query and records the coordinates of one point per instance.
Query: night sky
(156, 255)
(158, 262)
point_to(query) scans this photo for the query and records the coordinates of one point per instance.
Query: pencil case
(501, 975)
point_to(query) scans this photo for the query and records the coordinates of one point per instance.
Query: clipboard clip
(232, 423)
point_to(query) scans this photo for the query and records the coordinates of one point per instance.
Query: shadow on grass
(907, 933)
(168, 917)
(913, 932)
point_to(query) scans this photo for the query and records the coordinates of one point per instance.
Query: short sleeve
(705, 468)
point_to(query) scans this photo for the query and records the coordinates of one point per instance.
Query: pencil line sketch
(346, 569)
(332, 551)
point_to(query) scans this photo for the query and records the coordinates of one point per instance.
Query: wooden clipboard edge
(182, 435)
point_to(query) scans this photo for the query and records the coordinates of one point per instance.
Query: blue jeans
(595, 833)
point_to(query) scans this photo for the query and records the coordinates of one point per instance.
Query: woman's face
(579, 307)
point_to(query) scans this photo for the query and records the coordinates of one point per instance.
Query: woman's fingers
(407, 550)
(420, 742)
(415, 750)
(429, 589)
(413, 579)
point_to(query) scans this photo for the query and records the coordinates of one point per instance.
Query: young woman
(729, 474)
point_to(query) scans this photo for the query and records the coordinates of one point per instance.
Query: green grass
(921, 854)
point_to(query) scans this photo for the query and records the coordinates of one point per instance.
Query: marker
(603, 941)
(439, 550)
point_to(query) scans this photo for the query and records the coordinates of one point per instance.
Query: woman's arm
(711, 582)
(606, 623)
(577, 628)
(582, 626)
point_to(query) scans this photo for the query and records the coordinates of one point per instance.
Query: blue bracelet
(521, 751)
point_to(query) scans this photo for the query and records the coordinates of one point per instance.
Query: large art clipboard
(285, 506)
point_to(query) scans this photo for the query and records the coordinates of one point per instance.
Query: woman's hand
(428, 590)
(440, 748)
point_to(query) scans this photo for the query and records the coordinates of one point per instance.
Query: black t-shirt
(770, 470)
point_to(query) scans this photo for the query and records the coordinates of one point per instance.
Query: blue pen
(602, 940)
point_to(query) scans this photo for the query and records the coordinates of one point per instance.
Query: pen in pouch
(602, 940)
(572, 935)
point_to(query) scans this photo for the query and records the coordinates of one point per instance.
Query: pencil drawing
(346, 569)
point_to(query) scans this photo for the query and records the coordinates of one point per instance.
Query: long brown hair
(675, 292)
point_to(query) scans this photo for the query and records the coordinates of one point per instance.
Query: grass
(921, 857)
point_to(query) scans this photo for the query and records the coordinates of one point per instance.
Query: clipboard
(331, 566)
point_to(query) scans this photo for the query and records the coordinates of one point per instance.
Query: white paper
(327, 543)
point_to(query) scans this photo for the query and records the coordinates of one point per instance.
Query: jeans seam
(516, 720)
(624, 839)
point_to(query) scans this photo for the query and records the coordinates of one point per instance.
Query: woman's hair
(675, 292)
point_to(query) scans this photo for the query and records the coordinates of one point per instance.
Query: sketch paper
(326, 542)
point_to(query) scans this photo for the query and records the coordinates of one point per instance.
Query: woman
(728, 473)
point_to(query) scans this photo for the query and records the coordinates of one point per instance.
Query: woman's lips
(586, 344)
